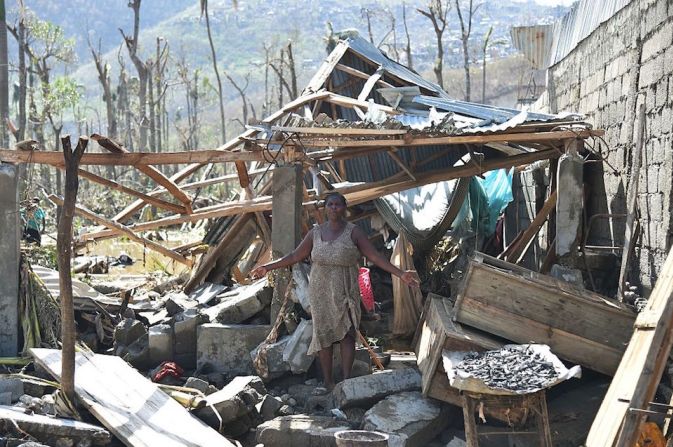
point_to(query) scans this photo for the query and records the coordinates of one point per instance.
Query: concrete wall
(626, 61)
(9, 261)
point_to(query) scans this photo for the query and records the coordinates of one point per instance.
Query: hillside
(241, 33)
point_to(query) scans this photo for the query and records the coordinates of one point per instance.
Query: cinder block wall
(626, 61)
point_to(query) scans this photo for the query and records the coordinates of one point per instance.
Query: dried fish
(518, 369)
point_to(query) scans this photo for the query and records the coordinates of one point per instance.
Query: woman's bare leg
(347, 348)
(325, 357)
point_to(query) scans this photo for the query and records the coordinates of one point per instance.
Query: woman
(335, 248)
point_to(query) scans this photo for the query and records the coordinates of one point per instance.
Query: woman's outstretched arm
(370, 252)
(300, 253)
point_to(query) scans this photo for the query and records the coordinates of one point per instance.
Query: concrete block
(242, 303)
(128, 331)
(364, 390)
(409, 419)
(12, 386)
(184, 328)
(10, 238)
(297, 347)
(269, 406)
(300, 274)
(276, 366)
(160, 343)
(235, 401)
(300, 430)
(226, 348)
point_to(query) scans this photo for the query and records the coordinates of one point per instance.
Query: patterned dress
(333, 288)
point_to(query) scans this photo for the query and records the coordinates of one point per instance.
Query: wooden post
(64, 250)
(569, 204)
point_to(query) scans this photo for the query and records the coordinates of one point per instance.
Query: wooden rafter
(359, 74)
(149, 171)
(354, 194)
(118, 228)
(55, 158)
(132, 192)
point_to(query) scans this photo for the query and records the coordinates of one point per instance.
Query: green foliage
(49, 40)
(64, 94)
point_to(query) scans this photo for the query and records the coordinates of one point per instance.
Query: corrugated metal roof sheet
(535, 43)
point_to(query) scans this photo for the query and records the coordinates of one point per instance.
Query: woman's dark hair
(338, 195)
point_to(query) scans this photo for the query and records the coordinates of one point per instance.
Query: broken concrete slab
(161, 342)
(299, 294)
(306, 431)
(295, 351)
(12, 386)
(241, 303)
(46, 428)
(225, 348)
(131, 342)
(206, 292)
(408, 417)
(269, 406)
(365, 390)
(235, 402)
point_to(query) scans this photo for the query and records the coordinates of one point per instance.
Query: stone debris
(300, 430)
(364, 390)
(408, 417)
(510, 369)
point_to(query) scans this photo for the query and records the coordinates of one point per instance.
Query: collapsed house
(410, 161)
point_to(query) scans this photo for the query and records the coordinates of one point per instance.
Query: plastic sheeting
(485, 202)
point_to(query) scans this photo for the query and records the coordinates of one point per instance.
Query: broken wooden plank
(313, 131)
(632, 205)
(150, 171)
(369, 85)
(119, 228)
(55, 158)
(523, 306)
(522, 243)
(640, 369)
(362, 75)
(132, 192)
(325, 70)
(129, 405)
(46, 428)
(352, 103)
(396, 158)
(503, 137)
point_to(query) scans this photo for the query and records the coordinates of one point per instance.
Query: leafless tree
(437, 11)
(103, 69)
(487, 38)
(366, 13)
(132, 46)
(407, 48)
(466, 30)
(223, 130)
(241, 92)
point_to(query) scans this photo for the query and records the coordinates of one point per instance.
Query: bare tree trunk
(204, 11)
(104, 78)
(367, 14)
(487, 38)
(21, 130)
(4, 80)
(407, 49)
(132, 46)
(281, 79)
(466, 30)
(267, 61)
(437, 13)
(150, 91)
(293, 73)
(64, 249)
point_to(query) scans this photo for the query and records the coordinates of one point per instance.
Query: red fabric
(168, 369)
(366, 289)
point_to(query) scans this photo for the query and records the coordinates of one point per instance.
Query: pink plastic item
(366, 289)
